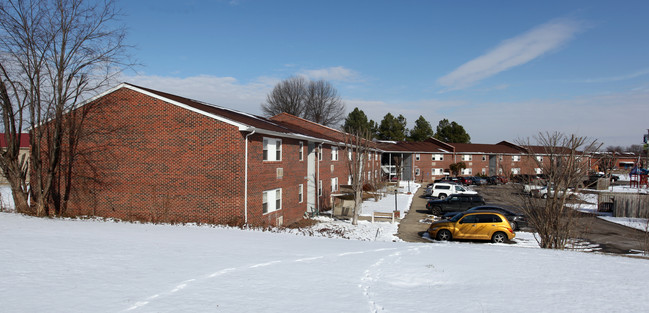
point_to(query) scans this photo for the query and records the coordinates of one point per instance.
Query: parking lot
(606, 236)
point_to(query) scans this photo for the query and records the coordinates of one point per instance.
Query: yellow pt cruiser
(483, 225)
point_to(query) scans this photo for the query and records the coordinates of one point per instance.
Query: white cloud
(223, 91)
(512, 52)
(616, 78)
(337, 73)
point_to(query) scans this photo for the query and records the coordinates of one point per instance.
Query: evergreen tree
(451, 132)
(392, 128)
(357, 121)
(422, 130)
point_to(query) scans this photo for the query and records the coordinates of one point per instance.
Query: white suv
(443, 190)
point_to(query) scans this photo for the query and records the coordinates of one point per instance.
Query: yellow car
(483, 225)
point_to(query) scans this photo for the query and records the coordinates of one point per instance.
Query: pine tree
(392, 128)
(422, 130)
(451, 132)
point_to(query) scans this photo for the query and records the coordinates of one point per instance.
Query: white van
(443, 190)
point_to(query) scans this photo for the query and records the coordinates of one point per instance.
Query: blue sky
(505, 70)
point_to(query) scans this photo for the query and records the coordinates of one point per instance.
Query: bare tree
(286, 97)
(564, 166)
(317, 101)
(323, 104)
(358, 147)
(53, 56)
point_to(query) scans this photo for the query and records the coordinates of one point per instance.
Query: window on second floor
(301, 153)
(272, 149)
(334, 153)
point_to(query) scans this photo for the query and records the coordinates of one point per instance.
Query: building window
(334, 184)
(484, 158)
(539, 158)
(369, 175)
(417, 172)
(349, 155)
(369, 156)
(320, 188)
(272, 200)
(437, 171)
(301, 153)
(334, 153)
(349, 180)
(417, 157)
(320, 153)
(467, 171)
(516, 171)
(484, 171)
(438, 157)
(467, 157)
(272, 149)
(538, 171)
(516, 158)
(300, 193)
(280, 173)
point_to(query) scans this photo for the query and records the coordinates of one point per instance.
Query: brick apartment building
(150, 155)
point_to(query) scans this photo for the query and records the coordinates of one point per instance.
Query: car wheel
(436, 210)
(544, 196)
(444, 235)
(513, 225)
(442, 196)
(498, 237)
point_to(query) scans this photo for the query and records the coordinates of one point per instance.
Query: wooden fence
(633, 205)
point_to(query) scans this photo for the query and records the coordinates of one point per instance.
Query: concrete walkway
(410, 227)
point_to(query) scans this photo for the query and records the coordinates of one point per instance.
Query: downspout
(317, 182)
(245, 192)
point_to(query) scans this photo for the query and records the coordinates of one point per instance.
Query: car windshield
(458, 188)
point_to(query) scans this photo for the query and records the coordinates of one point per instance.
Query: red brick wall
(263, 176)
(146, 159)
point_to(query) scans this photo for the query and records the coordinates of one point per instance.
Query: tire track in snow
(225, 271)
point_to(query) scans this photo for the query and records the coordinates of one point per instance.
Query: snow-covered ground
(54, 265)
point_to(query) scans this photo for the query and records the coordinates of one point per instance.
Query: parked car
(546, 192)
(483, 225)
(475, 180)
(516, 220)
(465, 180)
(592, 179)
(448, 179)
(454, 203)
(443, 190)
(526, 179)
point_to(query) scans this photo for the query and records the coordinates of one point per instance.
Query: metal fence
(633, 205)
